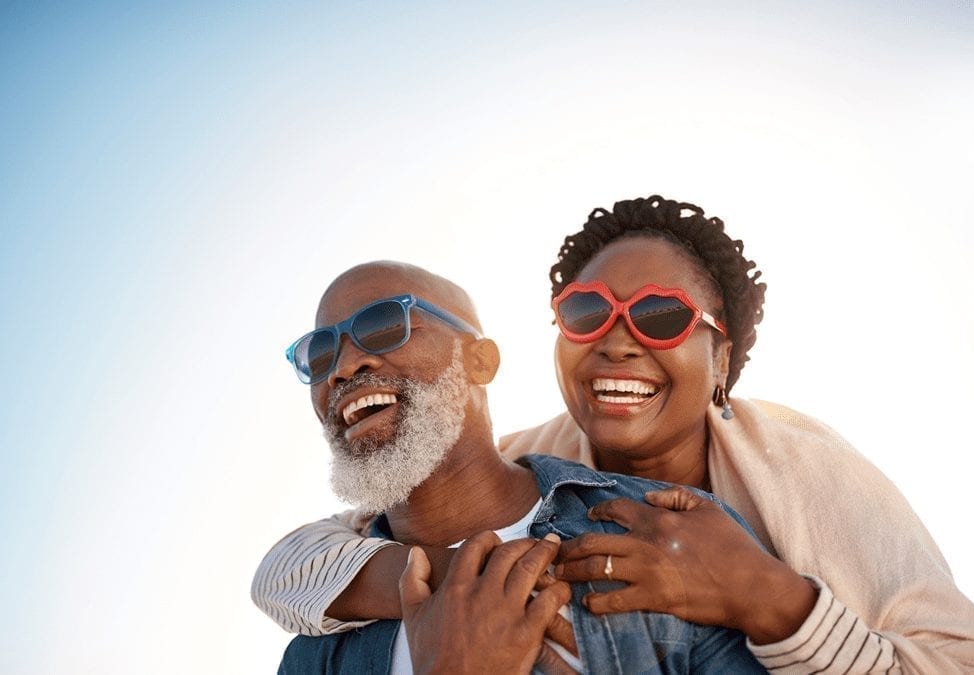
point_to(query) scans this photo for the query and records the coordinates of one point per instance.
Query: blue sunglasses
(377, 328)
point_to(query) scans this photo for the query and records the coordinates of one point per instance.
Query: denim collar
(551, 475)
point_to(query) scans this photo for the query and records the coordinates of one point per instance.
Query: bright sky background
(178, 185)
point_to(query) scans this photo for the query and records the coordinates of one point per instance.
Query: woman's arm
(325, 577)
(687, 558)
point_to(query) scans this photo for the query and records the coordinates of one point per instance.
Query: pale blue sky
(177, 186)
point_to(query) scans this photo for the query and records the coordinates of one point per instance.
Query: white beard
(378, 476)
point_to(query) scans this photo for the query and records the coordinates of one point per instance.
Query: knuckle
(669, 520)
(594, 567)
(562, 591)
(529, 565)
(585, 544)
(485, 538)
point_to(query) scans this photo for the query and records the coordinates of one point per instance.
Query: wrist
(780, 606)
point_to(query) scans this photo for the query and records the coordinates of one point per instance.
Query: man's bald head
(372, 281)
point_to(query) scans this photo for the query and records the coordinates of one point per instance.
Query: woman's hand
(685, 556)
(483, 617)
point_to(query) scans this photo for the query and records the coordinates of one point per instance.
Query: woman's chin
(619, 437)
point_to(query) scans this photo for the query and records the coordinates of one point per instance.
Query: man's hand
(685, 556)
(483, 617)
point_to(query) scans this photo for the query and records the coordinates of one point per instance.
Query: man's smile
(354, 402)
(365, 406)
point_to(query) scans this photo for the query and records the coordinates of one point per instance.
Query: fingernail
(551, 536)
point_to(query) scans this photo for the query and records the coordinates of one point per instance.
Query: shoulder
(558, 436)
(769, 433)
(783, 468)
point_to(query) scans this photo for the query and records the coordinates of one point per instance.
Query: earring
(720, 398)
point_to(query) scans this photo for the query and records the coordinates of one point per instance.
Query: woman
(657, 308)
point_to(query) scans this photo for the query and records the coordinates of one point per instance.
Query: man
(397, 368)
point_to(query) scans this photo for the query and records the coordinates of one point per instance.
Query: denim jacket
(629, 642)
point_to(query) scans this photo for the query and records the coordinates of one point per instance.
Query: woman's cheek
(567, 359)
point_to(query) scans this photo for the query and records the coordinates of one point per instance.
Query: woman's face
(680, 381)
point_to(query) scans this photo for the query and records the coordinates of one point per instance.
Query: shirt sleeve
(831, 640)
(308, 569)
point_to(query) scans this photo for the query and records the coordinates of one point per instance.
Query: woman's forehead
(628, 264)
(637, 261)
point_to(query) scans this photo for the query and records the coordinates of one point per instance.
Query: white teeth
(366, 401)
(618, 399)
(601, 384)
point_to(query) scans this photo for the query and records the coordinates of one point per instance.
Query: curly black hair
(720, 258)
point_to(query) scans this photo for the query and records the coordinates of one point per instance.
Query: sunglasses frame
(406, 302)
(622, 309)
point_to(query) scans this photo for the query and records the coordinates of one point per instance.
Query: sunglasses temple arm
(712, 322)
(449, 318)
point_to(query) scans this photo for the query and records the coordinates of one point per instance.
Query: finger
(414, 587)
(550, 663)
(544, 607)
(560, 632)
(469, 559)
(595, 544)
(593, 568)
(502, 559)
(545, 580)
(626, 512)
(676, 498)
(529, 567)
(626, 599)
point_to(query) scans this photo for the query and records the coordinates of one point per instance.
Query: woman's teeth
(622, 391)
(351, 413)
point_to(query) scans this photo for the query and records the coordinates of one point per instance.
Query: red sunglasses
(659, 318)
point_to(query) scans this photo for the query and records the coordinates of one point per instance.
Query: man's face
(391, 418)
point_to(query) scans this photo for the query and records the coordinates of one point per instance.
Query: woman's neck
(685, 463)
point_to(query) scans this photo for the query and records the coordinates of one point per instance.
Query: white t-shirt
(402, 663)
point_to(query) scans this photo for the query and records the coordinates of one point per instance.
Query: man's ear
(481, 359)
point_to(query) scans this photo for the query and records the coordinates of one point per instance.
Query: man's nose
(350, 361)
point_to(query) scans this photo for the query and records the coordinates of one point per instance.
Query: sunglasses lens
(314, 355)
(381, 328)
(660, 318)
(584, 313)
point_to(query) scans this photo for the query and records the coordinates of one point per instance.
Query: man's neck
(475, 489)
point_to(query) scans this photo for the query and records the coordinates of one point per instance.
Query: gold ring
(608, 568)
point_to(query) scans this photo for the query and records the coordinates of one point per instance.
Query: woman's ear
(482, 359)
(722, 352)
